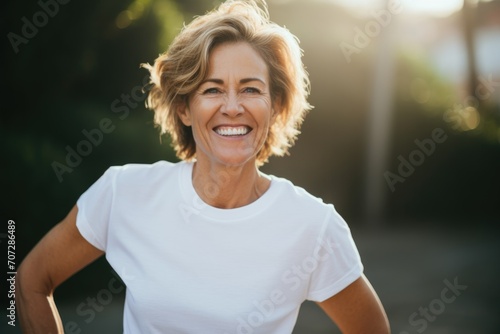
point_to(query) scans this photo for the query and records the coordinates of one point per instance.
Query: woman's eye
(251, 90)
(211, 91)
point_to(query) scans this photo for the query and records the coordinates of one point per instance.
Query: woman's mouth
(229, 131)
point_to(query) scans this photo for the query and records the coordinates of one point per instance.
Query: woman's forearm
(61, 253)
(37, 311)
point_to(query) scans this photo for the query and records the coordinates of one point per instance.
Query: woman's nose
(232, 105)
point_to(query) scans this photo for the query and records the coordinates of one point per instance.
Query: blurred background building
(404, 138)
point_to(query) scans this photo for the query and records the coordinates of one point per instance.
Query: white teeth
(232, 131)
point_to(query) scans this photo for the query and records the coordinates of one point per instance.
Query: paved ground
(409, 268)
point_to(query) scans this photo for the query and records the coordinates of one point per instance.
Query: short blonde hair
(178, 73)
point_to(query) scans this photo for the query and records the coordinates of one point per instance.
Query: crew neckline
(194, 201)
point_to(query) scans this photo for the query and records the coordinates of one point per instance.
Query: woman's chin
(233, 159)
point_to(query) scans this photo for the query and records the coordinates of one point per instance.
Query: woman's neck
(228, 187)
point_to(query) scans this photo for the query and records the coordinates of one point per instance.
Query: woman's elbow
(30, 281)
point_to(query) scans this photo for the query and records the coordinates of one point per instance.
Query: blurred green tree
(80, 68)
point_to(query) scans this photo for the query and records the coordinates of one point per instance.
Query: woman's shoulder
(303, 210)
(143, 167)
(143, 172)
(298, 196)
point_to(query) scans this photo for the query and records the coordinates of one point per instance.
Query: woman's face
(230, 113)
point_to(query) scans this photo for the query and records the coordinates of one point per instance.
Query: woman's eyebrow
(243, 81)
(217, 81)
(247, 80)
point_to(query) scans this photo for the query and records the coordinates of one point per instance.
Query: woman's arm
(357, 309)
(60, 253)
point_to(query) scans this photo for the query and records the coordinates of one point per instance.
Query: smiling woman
(181, 70)
(231, 111)
(211, 244)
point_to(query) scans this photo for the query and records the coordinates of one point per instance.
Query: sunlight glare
(433, 7)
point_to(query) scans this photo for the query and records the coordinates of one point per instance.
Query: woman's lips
(226, 130)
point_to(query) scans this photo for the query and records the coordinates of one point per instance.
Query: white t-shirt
(192, 268)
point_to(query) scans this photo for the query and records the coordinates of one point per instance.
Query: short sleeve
(94, 209)
(338, 260)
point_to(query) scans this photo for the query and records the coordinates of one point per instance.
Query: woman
(211, 244)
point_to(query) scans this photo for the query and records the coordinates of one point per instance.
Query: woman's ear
(183, 112)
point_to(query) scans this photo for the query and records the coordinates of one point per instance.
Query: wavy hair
(178, 72)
